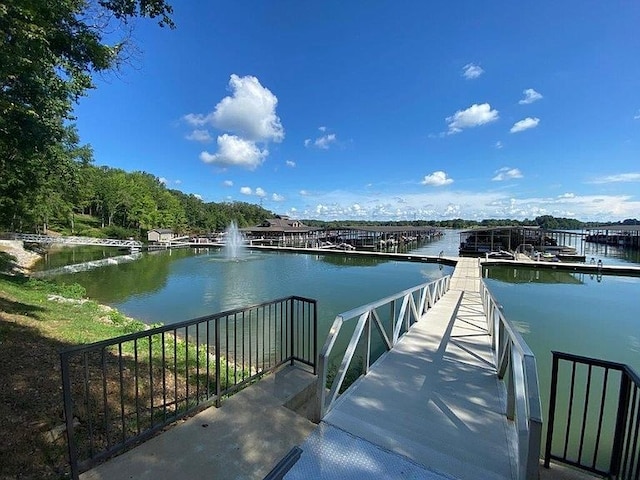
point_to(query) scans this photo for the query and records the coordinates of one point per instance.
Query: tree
(48, 53)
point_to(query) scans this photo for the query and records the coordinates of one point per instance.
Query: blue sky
(384, 110)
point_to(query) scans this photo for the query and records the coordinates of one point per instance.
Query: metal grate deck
(331, 453)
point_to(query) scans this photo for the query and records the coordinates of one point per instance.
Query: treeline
(544, 221)
(122, 204)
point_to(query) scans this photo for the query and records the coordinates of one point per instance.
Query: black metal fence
(120, 391)
(594, 418)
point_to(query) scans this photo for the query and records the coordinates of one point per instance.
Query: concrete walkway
(434, 400)
(243, 439)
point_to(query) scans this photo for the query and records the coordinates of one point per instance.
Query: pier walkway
(75, 240)
(433, 405)
(431, 408)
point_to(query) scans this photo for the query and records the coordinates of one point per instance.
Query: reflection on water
(572, 313)
(60, 256)
(583, 315)
(532, 275)
(170, 286)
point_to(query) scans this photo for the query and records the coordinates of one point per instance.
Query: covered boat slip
(529, 240)
(627, 236)
(368, 238)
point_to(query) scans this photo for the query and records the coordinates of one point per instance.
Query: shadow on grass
(8, 262)
(18, 308)
(30, 402)
(120, 390)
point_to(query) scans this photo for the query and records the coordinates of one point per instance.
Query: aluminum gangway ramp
(430, 408)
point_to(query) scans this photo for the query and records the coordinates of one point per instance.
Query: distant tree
(48, 53)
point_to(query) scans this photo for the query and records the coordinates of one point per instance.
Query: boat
(500, 254)
(561, 253)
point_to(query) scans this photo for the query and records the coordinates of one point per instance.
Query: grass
(38, 319)
(33, 330)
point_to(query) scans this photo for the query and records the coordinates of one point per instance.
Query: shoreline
(24, 259)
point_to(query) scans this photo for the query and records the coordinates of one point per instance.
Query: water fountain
(234, 243)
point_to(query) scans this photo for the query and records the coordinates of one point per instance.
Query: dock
(432, 407)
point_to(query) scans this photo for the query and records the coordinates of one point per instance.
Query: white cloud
(637, 116)
(246, 190)
(525, 124)
(322, 209)
(471, 71)
(248, 115)
(506, 173)
(163, 180)
(235, 151)
(619, 178)
(249, 112)
(322, 129)
(260, 192)
(530, 96)
(437, 179)
(178, 182)
(499, 145)
(228, 183)
(473, 116)
(290, 163)
(277, 198)
(323, 142)
(197, 119)
(450, 203)
(303, 193)
(199, 135)
(199, 197)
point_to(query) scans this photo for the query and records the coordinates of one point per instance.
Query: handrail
(414, 302)
(514, 358)
(75, 240)
(120, 391)
(591, 439)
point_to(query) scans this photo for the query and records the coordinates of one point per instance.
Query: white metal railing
(74, 240)
(413, 303)
(515, 360)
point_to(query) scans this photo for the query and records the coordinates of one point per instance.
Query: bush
(119, 233)
(128, 325)
(92, 232)
(67, 290)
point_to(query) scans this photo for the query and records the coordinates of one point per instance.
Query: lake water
(578, 313)
(590, 315)
(171, 286)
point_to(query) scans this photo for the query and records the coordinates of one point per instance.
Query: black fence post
(621, 421)
(291, 331)
(68, 416)
(315, 337)
(218, 371)
(552, 408)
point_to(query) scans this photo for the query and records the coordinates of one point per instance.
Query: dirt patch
(30, 400)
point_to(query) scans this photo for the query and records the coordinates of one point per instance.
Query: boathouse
(160, 235)
(626, 236)
(282, 231)
(481, 241)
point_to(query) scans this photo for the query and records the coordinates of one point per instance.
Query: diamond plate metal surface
(332, 453)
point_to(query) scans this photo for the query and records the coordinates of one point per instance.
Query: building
(160, 235)
(281, 231)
